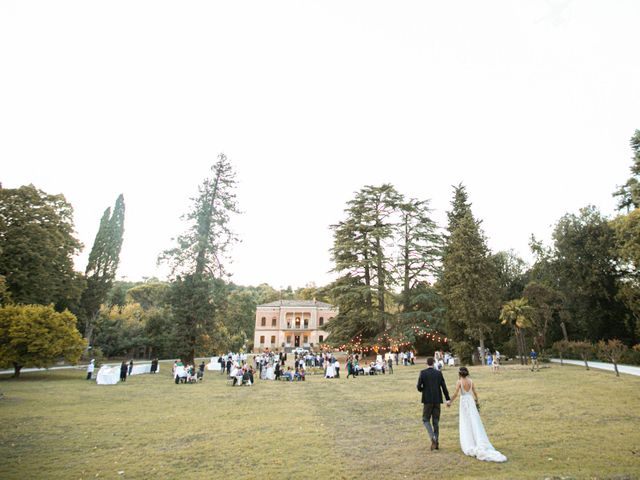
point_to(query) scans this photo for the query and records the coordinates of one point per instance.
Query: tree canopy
(37, 336)
(37, 246)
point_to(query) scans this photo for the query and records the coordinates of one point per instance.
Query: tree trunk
(615, 366)
(481, 349)
(564, 331)
(584, 357)
(381, 279)
(406, 283)
(520, 343)
(16, 370)
(560, 358)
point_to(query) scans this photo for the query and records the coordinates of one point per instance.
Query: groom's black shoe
(433, 444)
(437, 445)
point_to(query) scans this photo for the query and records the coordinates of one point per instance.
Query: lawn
(561, 422)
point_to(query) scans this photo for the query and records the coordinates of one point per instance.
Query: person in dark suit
(432, 385)
(123, 371)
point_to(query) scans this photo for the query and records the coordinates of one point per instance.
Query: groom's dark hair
(430, 361)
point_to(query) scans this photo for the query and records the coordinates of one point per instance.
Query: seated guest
(246, 378)
(288, 375)
(296, 375)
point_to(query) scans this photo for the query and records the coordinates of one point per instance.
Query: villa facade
(287, 324)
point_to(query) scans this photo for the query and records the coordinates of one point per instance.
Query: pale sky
(531, 104)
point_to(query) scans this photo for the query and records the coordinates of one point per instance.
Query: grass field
(561, 422)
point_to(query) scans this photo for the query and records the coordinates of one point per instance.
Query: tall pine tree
(199, 259)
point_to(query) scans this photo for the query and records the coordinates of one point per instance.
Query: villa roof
(298, 303)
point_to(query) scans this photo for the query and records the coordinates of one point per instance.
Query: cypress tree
(102, 264)
(469, 279)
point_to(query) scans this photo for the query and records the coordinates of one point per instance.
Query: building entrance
(296, 341)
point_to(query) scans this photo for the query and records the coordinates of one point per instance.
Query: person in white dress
(473, 438)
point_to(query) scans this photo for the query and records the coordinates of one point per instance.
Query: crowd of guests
(492, 360)
(182, 373)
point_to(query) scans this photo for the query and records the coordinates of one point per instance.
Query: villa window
(273, 322)
(264, 321)
(297, 322)
(321, 321)
(306, 339)
(273, 339)
(321, 338)
(306, 323)
(289, 339)
(261, 339)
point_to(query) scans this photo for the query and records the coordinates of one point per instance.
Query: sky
(530, 104)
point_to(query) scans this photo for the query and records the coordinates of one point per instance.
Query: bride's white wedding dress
(473, 439)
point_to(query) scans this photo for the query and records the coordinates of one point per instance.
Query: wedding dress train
(473, 438)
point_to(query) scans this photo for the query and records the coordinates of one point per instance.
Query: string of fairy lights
(390, 342)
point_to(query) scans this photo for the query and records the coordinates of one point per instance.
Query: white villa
(287, 324)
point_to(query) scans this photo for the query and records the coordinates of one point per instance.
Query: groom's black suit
(430, 383)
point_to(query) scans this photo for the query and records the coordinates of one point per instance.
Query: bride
(473, 439)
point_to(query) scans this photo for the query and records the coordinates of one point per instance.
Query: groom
(430, 383)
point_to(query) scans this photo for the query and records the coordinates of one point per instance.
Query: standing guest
(336, 364)
(390, 365)
(413, 357)
(130, 366)
(349, 366)
(123, 371)
(201, 368)
(173, 369)
(490, 360)
(534, 360)
(90, 368)
(154, 365)
(229, 362)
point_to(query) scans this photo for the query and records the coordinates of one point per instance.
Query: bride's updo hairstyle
(463, 372)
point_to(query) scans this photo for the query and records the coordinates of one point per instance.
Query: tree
(362, 259)
(629, 193)
(511, 274)
(37, 336)
(459, 207)
(199, 257)
(102, 264)
(562, 347)
(202, 248)
(517, 314)
(627, 236)
(37, 246)
(583, 350)
(420, 249)
(546, 308)
(5, 296)
(196, 305)
(469, 278)
(121, 330)
(612, 350)
(584, 264)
